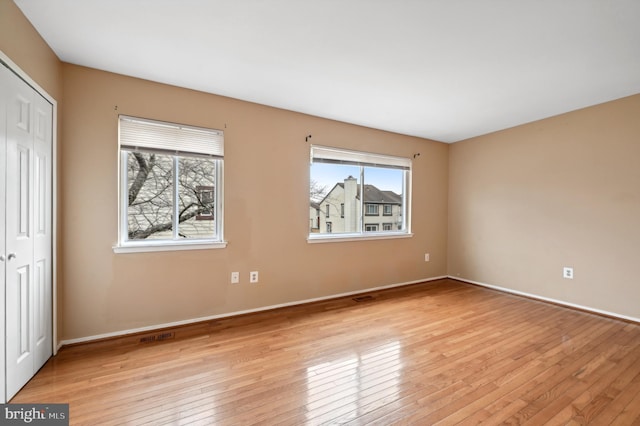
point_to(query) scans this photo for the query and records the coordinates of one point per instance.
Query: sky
(330, 174)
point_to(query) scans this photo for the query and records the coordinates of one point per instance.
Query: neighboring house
(340, 210)
(314, 217)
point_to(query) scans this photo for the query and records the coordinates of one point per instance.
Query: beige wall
(266, 211)
(24, 46)
(101, 292)
(522, 204)
(564, 191)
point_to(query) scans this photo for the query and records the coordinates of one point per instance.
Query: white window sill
(335, 238)
(168, 246)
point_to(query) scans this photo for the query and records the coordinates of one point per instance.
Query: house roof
(375, 195)
(372, 194)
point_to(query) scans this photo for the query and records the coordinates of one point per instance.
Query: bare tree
(316, 191)
(152, 194)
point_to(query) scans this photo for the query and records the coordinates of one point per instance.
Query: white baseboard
(231, 314)
(547, 299)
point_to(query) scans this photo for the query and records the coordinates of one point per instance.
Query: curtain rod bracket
(307, 138)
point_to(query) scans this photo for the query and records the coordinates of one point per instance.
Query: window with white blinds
(362, 194)
(330, 155)
(139, 134)
(170, 186)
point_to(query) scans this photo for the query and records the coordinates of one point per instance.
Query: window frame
(372, 206)
(124, 245)
(366, 160)
(205, 190)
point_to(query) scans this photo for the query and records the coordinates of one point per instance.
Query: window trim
(137, 246)
(334, 238)
(134, 247)
(366, 159)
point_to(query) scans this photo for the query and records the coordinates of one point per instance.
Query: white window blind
(138, 134)
(323, 154)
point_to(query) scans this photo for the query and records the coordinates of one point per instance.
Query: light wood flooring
(443, 352)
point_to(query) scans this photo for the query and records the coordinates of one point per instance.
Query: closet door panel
(4, 73)
(19, 236)
(42, 230)
(26, 143)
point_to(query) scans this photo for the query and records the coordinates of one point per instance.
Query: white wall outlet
(567, 273)
(426, 257)
(235, 277)
(253, 276)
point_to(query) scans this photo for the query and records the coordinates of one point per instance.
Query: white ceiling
(439, 69)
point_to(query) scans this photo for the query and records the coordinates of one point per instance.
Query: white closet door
(3, 259)
(42, 231)
(27, 233)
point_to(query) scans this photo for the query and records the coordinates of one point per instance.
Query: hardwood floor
(437, 353)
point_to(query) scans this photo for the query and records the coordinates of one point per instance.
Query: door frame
(54, 215)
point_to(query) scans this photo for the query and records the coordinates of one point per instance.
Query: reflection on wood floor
(443, 352)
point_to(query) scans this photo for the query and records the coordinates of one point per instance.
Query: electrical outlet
(426, 257)
(235, 277)
(567, 273)
(253, 276)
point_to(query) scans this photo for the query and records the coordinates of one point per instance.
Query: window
(314, 218)
(372, 210)
(352, 185)
(206, 198)
(171, 185)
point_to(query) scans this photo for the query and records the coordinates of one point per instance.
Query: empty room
(285, 212)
